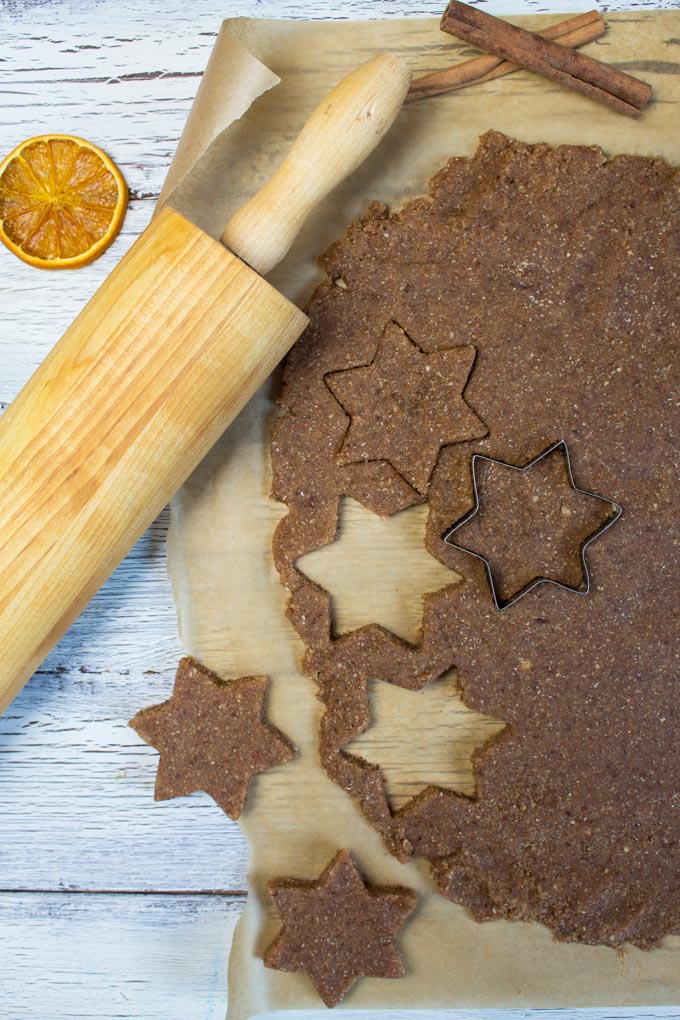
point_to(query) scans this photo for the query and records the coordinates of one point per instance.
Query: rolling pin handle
(340, 134)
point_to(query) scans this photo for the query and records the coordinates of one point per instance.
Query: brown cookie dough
(406, 405)
(212, 736)
(531, 524)
(339, 928)
(560, 267)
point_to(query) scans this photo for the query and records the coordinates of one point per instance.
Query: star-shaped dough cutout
(338, 928)
(530, 525)
(423, 738)
(212, 735)
(406, 405)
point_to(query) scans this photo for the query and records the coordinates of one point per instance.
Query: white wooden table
(112, 905)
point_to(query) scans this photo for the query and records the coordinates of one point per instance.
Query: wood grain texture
(77, 795)
(123, 73)
(115, 956)
(347, 126)
(125, 406)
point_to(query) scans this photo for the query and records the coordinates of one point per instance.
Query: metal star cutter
(584, 587)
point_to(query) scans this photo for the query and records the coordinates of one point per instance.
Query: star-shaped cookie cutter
(581, 589)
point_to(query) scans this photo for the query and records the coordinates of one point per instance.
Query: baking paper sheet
(230, 603)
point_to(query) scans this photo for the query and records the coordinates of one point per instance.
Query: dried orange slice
(62, 201)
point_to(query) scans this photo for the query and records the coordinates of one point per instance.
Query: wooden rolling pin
(151, 373)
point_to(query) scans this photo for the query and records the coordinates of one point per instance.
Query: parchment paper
(230, 603)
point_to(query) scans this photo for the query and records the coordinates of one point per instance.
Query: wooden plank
(100, 957)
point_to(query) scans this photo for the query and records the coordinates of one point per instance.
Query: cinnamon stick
(619, 91)
(575, 31)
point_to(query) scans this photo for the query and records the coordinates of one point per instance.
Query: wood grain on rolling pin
(116, 418)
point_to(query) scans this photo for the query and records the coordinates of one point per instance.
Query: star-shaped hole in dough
(338, 928)
(531, 524)
(423, 738)
(212, 736)
(377, 570)
(406, 405)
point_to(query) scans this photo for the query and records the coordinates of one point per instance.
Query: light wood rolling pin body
(151, 373)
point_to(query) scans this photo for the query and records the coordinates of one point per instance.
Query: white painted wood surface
(111, 905)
